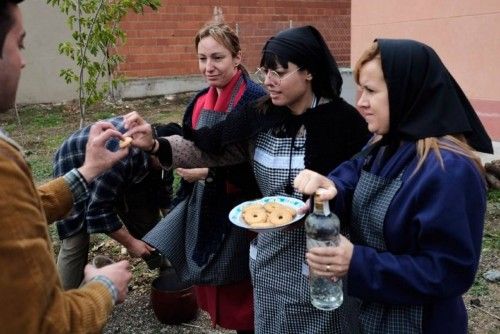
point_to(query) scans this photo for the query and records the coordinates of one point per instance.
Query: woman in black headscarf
(302, 123)
(415, 198)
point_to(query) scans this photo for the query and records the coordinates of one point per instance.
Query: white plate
(235, 215)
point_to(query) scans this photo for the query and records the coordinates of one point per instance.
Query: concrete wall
(466, 35)
(137, 88)
(40, 81)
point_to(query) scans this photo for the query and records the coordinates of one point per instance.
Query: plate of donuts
(267, 214)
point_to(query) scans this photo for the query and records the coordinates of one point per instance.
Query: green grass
(55, 140)
(41, 168)
(491, 240)
(494, 196)
(479, 288)
(104, 114)
(36, 117)
(491, 237)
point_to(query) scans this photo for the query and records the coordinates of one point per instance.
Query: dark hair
(306, 48)
(6, 20)
(164, 130)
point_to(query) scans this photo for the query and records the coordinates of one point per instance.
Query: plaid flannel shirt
(96, 214)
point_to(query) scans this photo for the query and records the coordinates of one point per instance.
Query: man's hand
(119, 273)
(97, 157)
(138, 248)
(135, 247)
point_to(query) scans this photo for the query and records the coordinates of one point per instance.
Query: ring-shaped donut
(280, 217)
(272, 206)
(255, 216)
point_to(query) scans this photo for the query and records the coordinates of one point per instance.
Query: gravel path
(135, 315)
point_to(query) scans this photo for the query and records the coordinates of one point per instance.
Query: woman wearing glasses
(302, 123)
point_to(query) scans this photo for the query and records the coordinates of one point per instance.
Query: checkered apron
(277, 259)
(372, 197)
(176, 235)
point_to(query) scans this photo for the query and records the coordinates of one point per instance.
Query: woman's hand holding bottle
(309, 182)
(331, 261)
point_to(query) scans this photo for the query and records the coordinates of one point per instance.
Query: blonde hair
(368, 55)
(453, 143)
(224, 35)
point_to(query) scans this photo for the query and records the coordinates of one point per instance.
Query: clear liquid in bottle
(322, 230)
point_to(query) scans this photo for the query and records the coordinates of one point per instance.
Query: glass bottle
(322, 230)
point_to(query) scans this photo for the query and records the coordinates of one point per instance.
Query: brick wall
(161, 43)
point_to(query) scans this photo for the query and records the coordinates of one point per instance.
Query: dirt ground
(483, 299)
(136, 315)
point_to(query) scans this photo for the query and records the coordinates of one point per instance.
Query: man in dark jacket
(125, 202)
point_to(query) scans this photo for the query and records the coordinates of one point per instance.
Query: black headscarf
(306, 48)
(424, 99)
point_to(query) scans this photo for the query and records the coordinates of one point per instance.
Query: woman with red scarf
(205, 242)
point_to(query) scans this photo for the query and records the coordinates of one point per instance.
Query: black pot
(173, 302)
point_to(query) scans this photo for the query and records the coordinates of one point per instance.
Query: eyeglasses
(274, 77)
